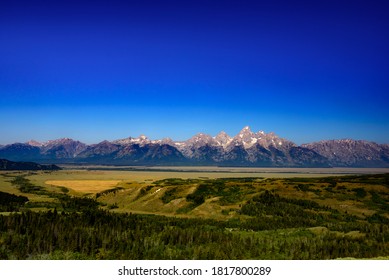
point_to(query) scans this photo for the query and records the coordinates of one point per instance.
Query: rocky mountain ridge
(247, 148)
(348, 152)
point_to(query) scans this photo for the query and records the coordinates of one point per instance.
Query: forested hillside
(12, 165)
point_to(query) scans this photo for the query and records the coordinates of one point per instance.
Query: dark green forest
(268, 226)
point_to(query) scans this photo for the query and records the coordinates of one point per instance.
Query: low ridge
(12, 165)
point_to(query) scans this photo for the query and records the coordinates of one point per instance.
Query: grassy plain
(164, 190)
(151, 174)
(7, 186)
(85, 186)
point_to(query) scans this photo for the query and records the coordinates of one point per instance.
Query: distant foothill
(11, 165)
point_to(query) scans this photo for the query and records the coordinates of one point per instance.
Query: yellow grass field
(150, 174)
(86, 186)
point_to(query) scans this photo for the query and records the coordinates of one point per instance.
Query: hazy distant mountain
(62, 148)
(20, 152)
(130, 151)
(349, 152)
(247, 148)
(12, 165)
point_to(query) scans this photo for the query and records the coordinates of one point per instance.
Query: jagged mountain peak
(59, 141)
(246, 130)
(164, 141)
(34, 143)
(200, 137)
(66, 139)
(142, 140)
(62, 141)
(245, 137)
(62, 148)
(222, 134)
(223, 139)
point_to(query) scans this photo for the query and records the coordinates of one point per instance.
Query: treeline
(20, 165)
(104, 235)
(11, 202)
(271, 211)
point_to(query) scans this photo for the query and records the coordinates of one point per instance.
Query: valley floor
(96, 212)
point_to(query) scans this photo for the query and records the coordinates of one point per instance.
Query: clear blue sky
(95, 70)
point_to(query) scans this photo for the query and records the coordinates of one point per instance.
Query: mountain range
(247, 148)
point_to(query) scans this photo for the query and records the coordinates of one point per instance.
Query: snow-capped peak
(245, 137)
(34, 143)
(201, 138)
(142, 140)
(223, 139)
(246, 129)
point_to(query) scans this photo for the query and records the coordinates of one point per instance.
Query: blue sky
(306, 70)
